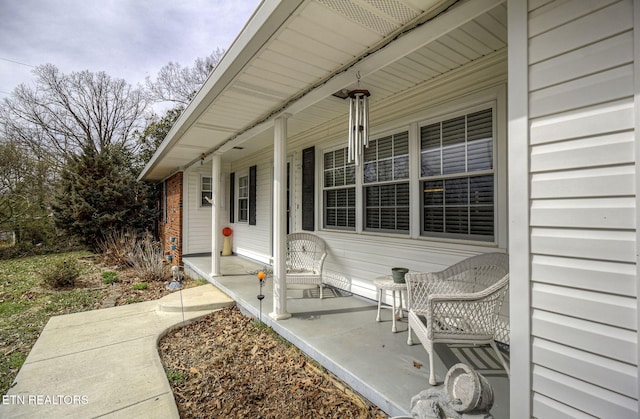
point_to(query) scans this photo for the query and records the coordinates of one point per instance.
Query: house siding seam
(584, 331)
(172, 226)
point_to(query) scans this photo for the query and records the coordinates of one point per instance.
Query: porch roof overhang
(292, 56)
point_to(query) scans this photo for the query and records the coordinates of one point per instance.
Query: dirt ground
(229, 366)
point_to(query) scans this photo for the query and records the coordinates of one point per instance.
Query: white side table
(383, 283)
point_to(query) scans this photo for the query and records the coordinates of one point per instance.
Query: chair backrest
(470, 275)
(477, 272)
(305, 252)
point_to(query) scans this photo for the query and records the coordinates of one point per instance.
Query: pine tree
(99, 193)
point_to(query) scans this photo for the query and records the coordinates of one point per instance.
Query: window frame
(422, 179)
(386, 183)
(240, 198)
(203, 202)
(346, 186)
(494, 98)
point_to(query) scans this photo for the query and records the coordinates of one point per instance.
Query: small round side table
(383, 283)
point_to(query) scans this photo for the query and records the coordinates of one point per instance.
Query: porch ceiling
(314, 49)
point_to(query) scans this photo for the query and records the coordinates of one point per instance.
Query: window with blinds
(205, 191)
(457, 177)
(386, 184)
(243, 199)
(339, 191)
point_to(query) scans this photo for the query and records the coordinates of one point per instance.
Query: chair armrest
(466, 313)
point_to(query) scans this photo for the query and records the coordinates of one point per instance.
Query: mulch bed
(228, 365)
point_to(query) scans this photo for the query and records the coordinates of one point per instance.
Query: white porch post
(280, 219)
(215, 214)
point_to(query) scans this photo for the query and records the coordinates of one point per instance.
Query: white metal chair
(306, 253)
(459, 304)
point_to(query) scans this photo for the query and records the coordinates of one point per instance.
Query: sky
(128, 39)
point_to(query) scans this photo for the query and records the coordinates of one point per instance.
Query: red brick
(172, 225)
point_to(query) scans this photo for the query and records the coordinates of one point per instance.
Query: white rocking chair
(459, 304)
(306, 253)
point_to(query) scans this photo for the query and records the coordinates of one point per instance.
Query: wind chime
(358, 123)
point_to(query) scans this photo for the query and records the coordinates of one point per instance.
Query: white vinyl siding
(584, 344)
(197, 217)
(255, 241)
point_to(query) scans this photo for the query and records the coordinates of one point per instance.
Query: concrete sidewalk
(105, 363)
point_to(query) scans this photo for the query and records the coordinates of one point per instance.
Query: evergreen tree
(99, 193)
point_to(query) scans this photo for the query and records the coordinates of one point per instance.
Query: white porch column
(215, 214)
(280, 219)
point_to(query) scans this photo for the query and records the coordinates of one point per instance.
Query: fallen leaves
(243, 369)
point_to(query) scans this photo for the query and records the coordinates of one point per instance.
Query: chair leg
(321, 288)
(500, 357)
(379, 304)
(432, 369)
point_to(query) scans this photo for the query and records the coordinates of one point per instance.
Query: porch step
(204, 297)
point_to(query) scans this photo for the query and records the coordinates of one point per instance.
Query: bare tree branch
(65, 113)
(177, 84)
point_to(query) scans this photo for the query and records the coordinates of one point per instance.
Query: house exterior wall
(580, 269)
(255, 241)
(197, 222)
(363, 256)
(171, 217)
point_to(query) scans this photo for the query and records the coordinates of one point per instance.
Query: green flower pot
(398, 274)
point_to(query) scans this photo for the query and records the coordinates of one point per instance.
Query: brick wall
(171, 225)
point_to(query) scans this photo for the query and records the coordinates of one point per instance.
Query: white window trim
(493, 97)
(201, 190)
(463, 112)
(322, 188)
(239, 175)
(409, 180)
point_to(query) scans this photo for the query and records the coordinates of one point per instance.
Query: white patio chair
(305, 257)
(459, 304)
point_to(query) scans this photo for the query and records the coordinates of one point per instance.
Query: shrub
(62, 273)
(141, 252)
(117, 246)
(109, 277)
(140, 286)
(148, 259)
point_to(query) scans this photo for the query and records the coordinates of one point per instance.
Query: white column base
(280, 316)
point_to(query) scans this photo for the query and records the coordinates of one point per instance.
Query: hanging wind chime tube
(358, 124)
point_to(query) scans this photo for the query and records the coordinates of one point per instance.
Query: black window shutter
(252, 195)
(232, 197)
(308, 188)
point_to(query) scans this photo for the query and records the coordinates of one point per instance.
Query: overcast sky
(128, 39)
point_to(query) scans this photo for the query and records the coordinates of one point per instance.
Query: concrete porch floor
(340, 332)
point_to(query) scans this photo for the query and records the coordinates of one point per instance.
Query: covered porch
(341, 333)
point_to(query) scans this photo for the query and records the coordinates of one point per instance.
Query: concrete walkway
(105, 363)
